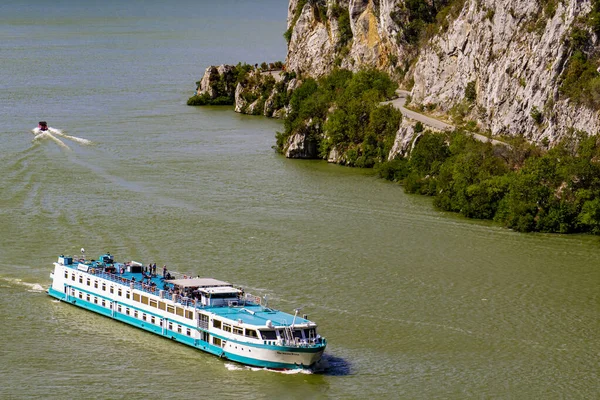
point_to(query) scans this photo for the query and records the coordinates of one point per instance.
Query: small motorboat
(42, 126)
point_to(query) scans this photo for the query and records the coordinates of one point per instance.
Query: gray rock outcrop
(515, 68)
(509, 49)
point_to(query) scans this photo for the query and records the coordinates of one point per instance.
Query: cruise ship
(211, 315)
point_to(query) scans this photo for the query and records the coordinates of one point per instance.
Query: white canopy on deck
(197, 282)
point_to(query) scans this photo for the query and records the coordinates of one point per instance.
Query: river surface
(414, 303)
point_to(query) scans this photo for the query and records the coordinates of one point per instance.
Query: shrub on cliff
(344, 109)
(223, 86)
(580, 80)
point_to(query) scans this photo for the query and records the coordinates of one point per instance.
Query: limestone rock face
(514, 68)
(213, 75)
(315, 47)
(404, 138)
(299, 145)
(509, 49)
(239, 103)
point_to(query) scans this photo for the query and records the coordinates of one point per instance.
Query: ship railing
(185, 301)
(135, 284)
(298, 342)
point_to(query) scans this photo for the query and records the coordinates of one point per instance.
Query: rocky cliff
(511, 53)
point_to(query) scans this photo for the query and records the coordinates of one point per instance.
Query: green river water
(414, 303)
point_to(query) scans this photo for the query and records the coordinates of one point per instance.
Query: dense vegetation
(580, 79)
(342, 111)
(224, 85)
(421, 19)
(521, 186)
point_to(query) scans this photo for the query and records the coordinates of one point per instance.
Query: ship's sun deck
(188, 291)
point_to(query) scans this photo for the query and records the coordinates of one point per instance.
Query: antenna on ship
(295, 315)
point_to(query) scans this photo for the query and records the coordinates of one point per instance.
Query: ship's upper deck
(207, 294)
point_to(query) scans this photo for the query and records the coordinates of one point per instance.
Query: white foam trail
(58, 141)
(73, 138)
(33, 287)
(237, 367)
(47, 135)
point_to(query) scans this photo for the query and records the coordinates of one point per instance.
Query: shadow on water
(334, 366)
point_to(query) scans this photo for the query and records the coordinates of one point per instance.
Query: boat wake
(73, 138)
(239, 367)
(52, 134)
(48, 135)
(32, 287)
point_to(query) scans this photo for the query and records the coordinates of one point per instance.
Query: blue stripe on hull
(196, 343)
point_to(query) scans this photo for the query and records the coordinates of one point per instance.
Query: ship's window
(144, 316)
(73, 276)
(310, 333)
(127, 311)
(298, 333)
(179, 311)
(80, 278)
(87, 297)
(136, 297)
(203, 317)
(217, 323)
(144, 299)
(227, 328)
(170, 309)
(204, 336)
(251, 333)
(127, 295)
(112, 289)
(188, 332)
(72, 292)
(95, 300)
(216, 341)
(162, 305)
(153, 320)
(66, 274)
(119, 308)
(88, 282)
(268, 335)
(119, 292)
(178, 328)
(153, 303)
(81, 295)
(238, 331)
(170, 326)
(135, 313)
(189, 314)
(103, 287)
(103, 303)
(96, 284)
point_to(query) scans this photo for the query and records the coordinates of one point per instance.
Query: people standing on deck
(164, 271)
(154, 269)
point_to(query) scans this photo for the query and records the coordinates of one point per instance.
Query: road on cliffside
(399, 102)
